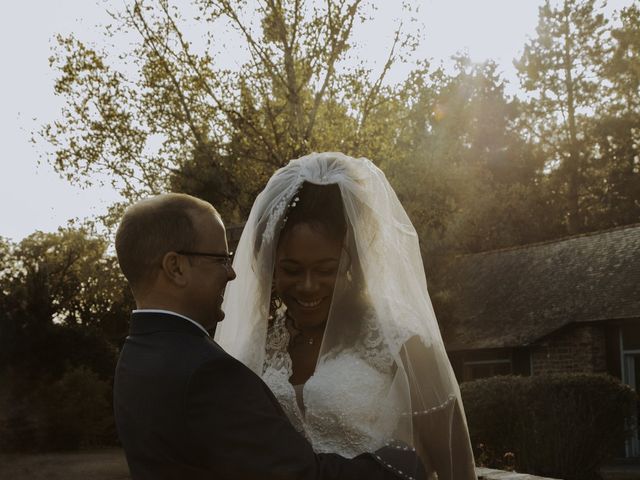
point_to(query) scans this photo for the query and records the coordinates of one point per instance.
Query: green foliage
(560, 68)
(181, 114)
(47, 414)
(77, 409)
(61, 295)
(63, 308)
(475, 169)
(623, 67)
(65, 277)
(614, 168)
(561, 426)
(614, 195)
(467, 179)
(61, 346)
(56, 389)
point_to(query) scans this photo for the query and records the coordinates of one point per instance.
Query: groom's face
(209, 276)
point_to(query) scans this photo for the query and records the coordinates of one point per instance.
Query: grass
(103, 464)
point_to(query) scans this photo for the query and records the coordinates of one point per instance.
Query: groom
(184, 408)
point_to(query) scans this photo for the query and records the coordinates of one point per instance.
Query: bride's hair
(318, 206)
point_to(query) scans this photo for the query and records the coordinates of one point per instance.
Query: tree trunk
(573, 164)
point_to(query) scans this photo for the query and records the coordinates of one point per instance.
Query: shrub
(561, 426)
(47, 414)
(56, 378)
(61, 346)
(76, 409)
(20, 420)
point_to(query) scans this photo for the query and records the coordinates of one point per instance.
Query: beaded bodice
(342, 409)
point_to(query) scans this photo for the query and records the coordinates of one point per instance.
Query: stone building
(567, 305)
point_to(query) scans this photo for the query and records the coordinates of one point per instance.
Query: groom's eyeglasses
(225, 259)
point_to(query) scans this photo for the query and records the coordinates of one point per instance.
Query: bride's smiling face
(307, 264)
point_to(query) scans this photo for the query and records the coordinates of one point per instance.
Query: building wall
(467, 365)
(579, 348)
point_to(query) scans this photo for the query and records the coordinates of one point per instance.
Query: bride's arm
(440, 428)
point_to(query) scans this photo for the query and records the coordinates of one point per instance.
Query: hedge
(562, 426)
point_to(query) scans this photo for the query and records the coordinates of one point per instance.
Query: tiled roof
(512, 297)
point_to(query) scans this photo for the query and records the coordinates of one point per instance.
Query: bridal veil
(381, 312)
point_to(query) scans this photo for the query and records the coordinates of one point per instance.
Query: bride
(331, 308)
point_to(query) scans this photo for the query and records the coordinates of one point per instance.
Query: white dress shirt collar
(150, 310)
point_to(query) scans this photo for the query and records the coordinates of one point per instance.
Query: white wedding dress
(382, 375)
(342, 412)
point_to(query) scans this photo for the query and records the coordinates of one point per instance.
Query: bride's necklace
(308, 340)
(300, 336)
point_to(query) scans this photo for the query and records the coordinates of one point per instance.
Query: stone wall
(579, 348)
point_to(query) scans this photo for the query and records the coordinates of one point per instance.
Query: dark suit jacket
(185, 409)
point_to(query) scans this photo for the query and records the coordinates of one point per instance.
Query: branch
(375, 89)
(333, 57)
(149, 40)
(254, 46)
(230, 113)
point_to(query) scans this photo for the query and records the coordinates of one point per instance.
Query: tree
(63, 308)
(614, 171)
(623, 66)
(62, 278)
(217, 132)
(62, 296)
(76, 409)
(560, 68)
(468, 180)
(616, 131)
(68, 275)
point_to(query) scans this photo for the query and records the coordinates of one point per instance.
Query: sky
(33, 197)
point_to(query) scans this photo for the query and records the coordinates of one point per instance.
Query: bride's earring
(275, 302)
(348, 273)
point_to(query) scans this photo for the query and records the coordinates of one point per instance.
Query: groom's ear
(174, 268)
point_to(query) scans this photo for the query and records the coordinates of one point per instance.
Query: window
(487, 368)
(631, 337)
